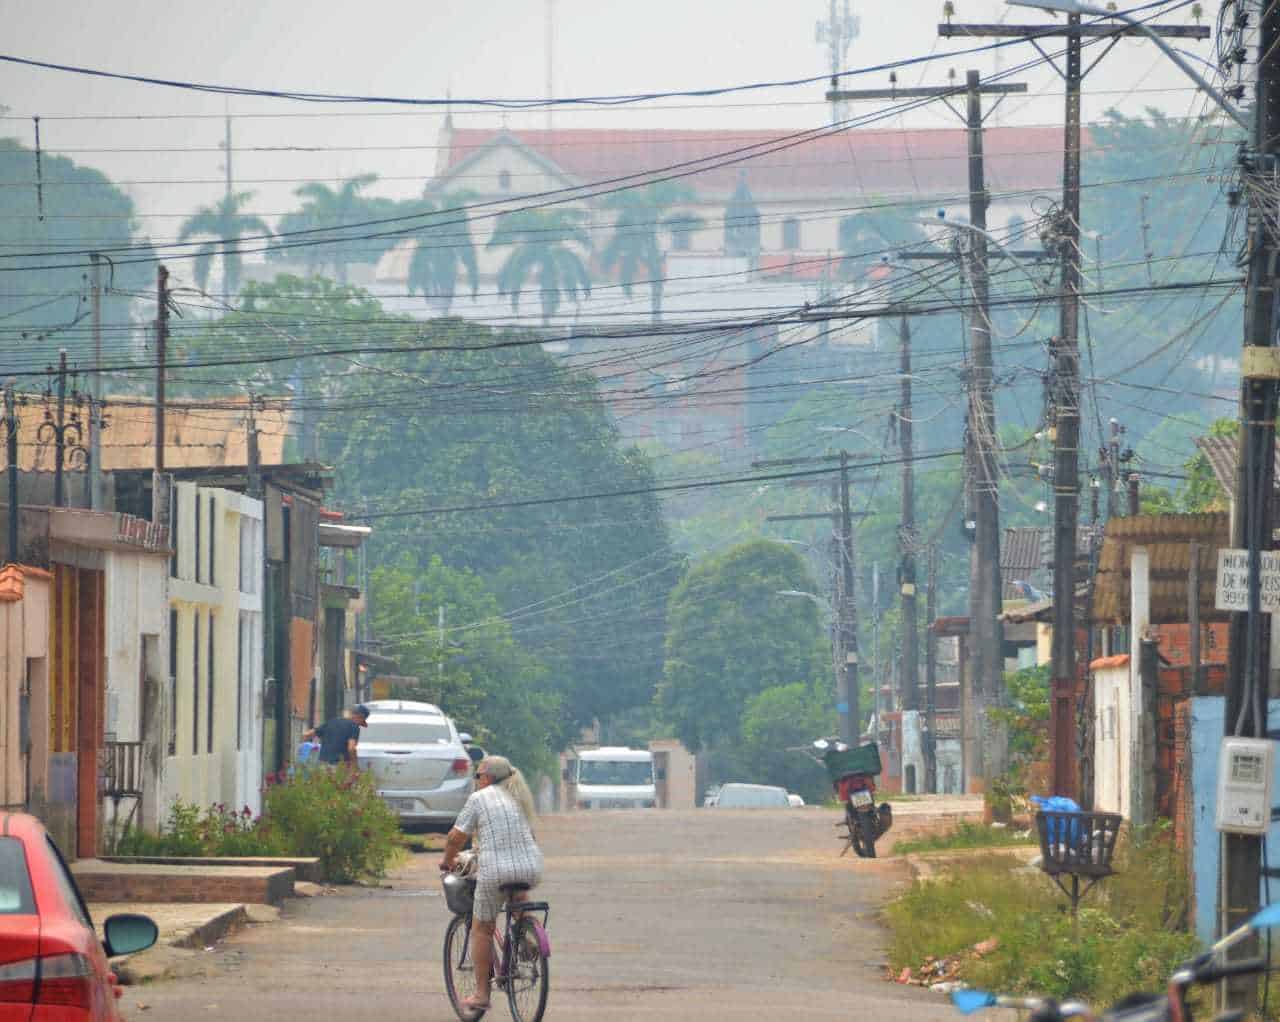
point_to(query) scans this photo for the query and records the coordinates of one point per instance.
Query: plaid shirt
(506, 850)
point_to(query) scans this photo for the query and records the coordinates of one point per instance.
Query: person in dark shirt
(338, 737)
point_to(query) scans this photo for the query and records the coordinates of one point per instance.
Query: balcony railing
(122, 770)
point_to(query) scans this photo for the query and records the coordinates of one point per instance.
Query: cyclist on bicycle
(498, 816)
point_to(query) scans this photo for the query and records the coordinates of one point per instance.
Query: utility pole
(162, 342)
(551, 61)
(931, 677)
(847, 693)
(1248, 678)
(95, 387)
(11, 453)
(846, 604)
(1065, 357)
(877, 694)
(253, 458)
(984, 561)
(907, 533)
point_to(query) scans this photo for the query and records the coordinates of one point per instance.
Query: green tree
(731, 635)
(444, 248)
(77, 209)
(480, 674)
(542, 245)
(226, 222)
(742, 222)
(328, 210)
(777, 725)
(634, 246)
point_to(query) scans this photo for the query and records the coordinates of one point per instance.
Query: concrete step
(116, 882)
(304, 868)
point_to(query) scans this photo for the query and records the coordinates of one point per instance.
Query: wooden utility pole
(1248, 678)
(907, 532)
(11, 453)
(1193, 615)
(1065, 359)
(162, 342)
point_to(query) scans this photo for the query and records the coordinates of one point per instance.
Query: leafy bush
(218, 831)
(1130, 933)
(332, 814)
(335, 815)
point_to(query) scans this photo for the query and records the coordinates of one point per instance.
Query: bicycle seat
(514, 888)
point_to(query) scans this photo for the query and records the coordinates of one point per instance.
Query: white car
(419, 761)
(752, 796)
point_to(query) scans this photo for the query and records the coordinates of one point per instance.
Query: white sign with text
(1232, 591)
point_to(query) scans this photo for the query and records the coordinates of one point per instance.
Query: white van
(614, 778)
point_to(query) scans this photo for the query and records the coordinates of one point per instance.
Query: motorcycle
(853, 772)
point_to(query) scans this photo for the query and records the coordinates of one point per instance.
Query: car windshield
(613, 771)
(15, 883)
(406, 732)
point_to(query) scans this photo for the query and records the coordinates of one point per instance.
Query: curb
(212, 929)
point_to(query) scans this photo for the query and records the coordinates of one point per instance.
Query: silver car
(419, 762)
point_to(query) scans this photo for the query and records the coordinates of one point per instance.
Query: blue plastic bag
(1060, 831)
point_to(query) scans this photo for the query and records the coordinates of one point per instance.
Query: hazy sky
(431, 47)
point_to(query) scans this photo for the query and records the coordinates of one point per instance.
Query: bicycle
(1171, 1006)
(521, 950)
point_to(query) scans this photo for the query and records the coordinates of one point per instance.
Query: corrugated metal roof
(1167, 539)
(1022, 548)
(1222, 453)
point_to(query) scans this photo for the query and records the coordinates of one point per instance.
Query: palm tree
(634, 244)
(444, 247)
(225, 222)
(540, 241)
(329, 211)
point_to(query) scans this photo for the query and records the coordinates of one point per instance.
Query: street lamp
(1075, 7)
(941, 220)
(824, 604)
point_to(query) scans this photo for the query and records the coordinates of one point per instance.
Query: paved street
(671, 915)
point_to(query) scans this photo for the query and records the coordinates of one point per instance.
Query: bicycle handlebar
(1248, 966)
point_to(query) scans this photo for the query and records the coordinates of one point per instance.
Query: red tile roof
(928, 162)
(11, 580)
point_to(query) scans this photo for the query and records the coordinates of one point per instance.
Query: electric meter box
(1245, 769)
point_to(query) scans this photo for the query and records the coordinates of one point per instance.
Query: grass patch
(966, 835)
(1131, 931)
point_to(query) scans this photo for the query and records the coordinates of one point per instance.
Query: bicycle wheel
(529, 972)
(459, 973)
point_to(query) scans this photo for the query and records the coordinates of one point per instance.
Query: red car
(52, 966)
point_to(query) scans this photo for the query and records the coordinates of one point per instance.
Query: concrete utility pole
(931, 677)
(907, 532)
(847, 694)
(11, 454)
(846, 603)
(1248, 679)
(95, 387)
(1065, 357)
(227, 213)
(162, 342)
(984, 562)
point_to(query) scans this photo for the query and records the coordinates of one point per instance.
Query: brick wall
(262, 887)
(1175, 643)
